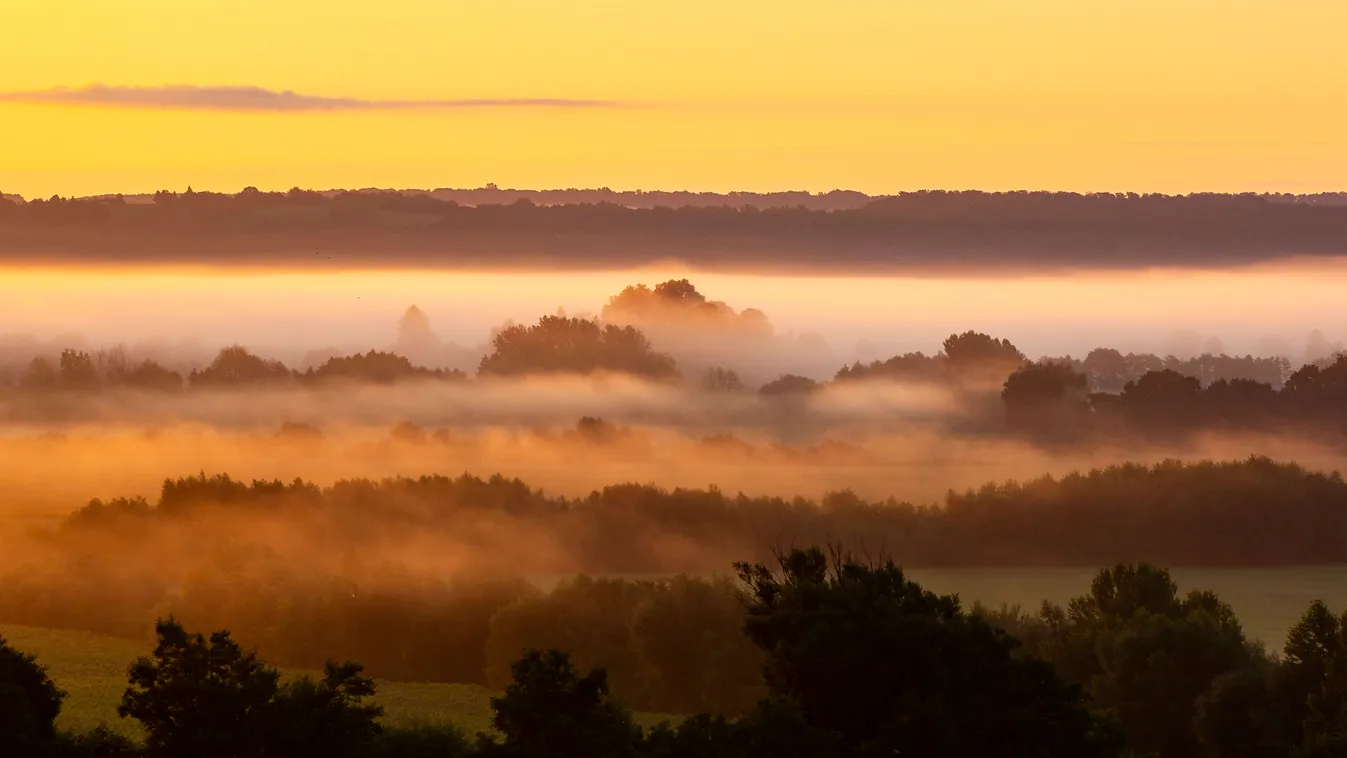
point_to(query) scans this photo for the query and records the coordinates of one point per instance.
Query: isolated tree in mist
(557, 344)
(235, 366)
(719, 379)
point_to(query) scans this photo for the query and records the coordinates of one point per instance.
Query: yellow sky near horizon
(876, 95)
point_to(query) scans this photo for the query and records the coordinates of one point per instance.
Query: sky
(874, 95)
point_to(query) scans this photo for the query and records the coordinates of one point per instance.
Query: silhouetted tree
(29, 704)
(1146, 654)
(1045, 396)
(551, 711)
(77, 370)
(974, 351)
(891, 668)
(200, 698)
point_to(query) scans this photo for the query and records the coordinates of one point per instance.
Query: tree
(235, 366)
(789, 385)
(1163, 400)
(78, 371)
(718, 379)
(29, 704)
(1045, 396)
(200, 698)
(1106, 369)
(326, 717)
(557, 344)
(550, 711)
(892, 669)
(152, 377)
(1145, 653)
(975, 351)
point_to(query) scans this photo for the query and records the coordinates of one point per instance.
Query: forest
(814, 653)
(926, 230)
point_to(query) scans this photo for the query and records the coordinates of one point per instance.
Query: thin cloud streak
(190, 97)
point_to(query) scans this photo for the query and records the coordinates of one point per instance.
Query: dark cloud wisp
(189, 97)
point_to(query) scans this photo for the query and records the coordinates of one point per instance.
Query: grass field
(1268, 601)
(92, 669)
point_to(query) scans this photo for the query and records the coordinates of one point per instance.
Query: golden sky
(876, 95)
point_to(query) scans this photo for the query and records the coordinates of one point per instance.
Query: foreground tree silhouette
(892, 669)
(29, 704)
(1146, 653)
(200, 698)
(550, 711)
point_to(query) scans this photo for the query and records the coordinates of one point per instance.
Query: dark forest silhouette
(917, 230)
(845, 657)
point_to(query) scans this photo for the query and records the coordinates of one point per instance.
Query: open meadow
(91, 668)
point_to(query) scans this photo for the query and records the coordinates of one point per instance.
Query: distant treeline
(357, 569)
(561, 345)
(929, 229)
(1269, 513)
(1053, 398)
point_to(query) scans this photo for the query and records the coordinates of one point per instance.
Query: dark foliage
(557, 344)
(892, 669)
(199, 698)
(924, 230)
(374, 367)
(551, 711)
(29, 704)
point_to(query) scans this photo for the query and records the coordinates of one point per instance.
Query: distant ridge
(837, 232)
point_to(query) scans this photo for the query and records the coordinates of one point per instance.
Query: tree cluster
(857, 661)
(853, 660)
(1053, 396)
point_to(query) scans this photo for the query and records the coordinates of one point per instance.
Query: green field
(92, 669)
(1268, 601)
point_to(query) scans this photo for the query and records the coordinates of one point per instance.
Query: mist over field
(433, 465)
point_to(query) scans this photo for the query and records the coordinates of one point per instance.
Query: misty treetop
(557, 344)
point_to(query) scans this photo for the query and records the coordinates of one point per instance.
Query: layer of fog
(182, 317)
(48, 470)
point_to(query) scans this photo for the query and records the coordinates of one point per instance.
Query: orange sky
(877, 95)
